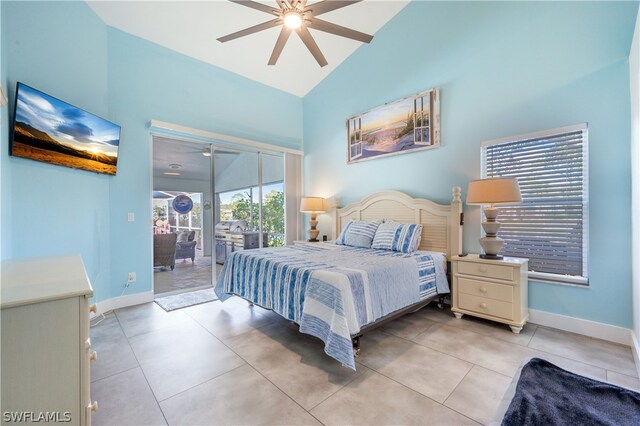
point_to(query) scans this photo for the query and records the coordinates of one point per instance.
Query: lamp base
(315, 240)
(491, 256)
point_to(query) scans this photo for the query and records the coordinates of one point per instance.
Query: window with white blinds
(550, 226)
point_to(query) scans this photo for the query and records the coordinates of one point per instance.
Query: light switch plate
(131, 217)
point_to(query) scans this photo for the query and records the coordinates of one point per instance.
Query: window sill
(541, 277)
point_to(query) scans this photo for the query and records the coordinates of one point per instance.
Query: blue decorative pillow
(402, 237)
(358, 233)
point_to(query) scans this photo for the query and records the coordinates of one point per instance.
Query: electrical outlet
(131, 278)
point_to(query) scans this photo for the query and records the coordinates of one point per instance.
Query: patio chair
(186, 246)
(164, 250)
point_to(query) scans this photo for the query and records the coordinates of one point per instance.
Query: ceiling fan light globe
(292, 20)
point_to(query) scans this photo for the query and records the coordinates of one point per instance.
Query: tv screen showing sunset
(50, 130)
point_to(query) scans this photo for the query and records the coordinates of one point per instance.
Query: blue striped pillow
(402, 237)
(358, 233)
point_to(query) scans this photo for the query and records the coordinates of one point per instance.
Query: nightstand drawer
(486, 306)
(486, 270)
(500, 292)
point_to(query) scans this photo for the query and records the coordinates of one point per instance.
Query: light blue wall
(46, 209)
(504, 68)
(64, 49)
(148, 82)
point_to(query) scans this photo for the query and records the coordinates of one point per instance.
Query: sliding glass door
(249, 201)
(209, 201)
(181, 219)
(273, 215)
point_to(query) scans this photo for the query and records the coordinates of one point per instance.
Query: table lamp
(313, 205)
(492, 192)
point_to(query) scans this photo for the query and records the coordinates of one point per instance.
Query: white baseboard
(599, 330)
(635, 348)
(123, 302)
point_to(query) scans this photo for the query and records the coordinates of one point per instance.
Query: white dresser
(45, 341)
(491, 289)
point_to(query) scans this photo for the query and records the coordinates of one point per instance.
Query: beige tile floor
(186, 275)
(229, 363)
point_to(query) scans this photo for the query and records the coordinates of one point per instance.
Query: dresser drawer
(478, 288)
(486, 306)
(486, 270)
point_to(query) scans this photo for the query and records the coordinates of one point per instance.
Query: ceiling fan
(206, 151)
(296, 15)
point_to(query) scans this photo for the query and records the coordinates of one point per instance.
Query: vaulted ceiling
(192, 28)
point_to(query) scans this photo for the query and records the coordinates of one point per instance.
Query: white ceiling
(188, 156)
(234, 169)
(192, 27)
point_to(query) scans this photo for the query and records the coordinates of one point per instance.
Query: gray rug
(183, 300)
(548, 395)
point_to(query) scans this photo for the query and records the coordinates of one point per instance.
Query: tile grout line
(200, 384)
(575, 360)
(115, 374)
(261, 314)
(284, 393)
(622, 374)
(197, 384)
(446, 353)
(454, 389)
(420, 393)
(504, 341)
(141, 369)
(246, 362)
(428, 397)
(340, 388)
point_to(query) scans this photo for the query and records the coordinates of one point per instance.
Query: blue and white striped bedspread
(332, 291)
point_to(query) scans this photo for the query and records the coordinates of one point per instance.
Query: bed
(337, 293)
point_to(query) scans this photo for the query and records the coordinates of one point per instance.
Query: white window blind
(550, 226)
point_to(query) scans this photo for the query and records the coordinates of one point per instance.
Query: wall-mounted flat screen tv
(50, 130)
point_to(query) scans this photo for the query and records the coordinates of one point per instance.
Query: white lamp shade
(494, 191)
(312, 205)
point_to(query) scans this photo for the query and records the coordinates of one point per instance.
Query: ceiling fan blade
(328, 27)
(280, 43)
(255, 5)
(283, 4)
(327, 6)
(308, 41)
(251, 30)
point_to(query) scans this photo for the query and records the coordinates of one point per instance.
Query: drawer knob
(93, 356)
(87, 343)
(93, 406)
(483, 289)
(93, 308)
(483, 269)
(483, 305)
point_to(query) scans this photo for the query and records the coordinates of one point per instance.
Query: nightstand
(491, 289)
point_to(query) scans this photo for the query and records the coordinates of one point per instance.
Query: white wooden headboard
(442, 223)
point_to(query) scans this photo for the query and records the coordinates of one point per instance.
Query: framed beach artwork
(406, 125)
